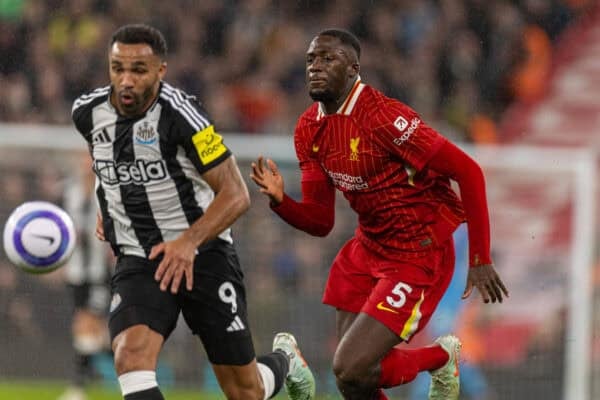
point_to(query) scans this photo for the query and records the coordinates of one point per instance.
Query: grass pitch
(36, 390)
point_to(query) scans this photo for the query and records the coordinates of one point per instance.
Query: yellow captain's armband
(209, 144)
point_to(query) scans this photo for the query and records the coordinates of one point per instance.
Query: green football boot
(445, 381)
(299, 383)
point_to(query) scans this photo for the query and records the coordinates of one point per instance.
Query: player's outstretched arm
(315, 214)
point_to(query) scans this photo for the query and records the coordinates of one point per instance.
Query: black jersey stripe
(134, 196)
(87, 98)
(185, 106)
(189, 105)
(184, 186)
(184, 110)
(95, 92)
(173, 102)
(107, 222)
(187, 102)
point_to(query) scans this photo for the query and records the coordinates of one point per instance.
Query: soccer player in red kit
(395, 172)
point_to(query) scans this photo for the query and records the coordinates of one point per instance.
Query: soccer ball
(39, 237)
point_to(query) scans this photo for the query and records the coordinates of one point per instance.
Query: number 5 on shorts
(400, 291)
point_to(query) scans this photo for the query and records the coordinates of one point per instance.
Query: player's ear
(353, 70)
(162, 69)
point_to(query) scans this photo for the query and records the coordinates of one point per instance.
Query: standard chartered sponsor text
(348, 182)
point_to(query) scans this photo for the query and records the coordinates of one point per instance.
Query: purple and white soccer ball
(39, 237)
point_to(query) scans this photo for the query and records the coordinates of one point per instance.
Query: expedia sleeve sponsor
(209, 145)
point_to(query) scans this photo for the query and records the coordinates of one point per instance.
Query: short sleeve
(400, 130)
(82, 109)
(203, 145)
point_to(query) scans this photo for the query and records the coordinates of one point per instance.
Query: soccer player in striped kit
(169, 189)
(88, 276)
(395, 172)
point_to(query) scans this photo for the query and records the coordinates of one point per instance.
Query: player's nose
(127, 80)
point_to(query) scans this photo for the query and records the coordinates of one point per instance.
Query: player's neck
(332, 107)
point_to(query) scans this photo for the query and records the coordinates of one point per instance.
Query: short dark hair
(141, 33)
(346, 37)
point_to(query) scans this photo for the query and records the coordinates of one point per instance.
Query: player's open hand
(488, 282)
(266, 175)
(177, 262)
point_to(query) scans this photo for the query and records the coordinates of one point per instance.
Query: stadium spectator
(87, 274)
(222, 46)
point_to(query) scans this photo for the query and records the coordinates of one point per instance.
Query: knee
(129, 358)
(134, 353)
(350, 372)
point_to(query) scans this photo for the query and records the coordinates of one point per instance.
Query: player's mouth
(317, 82)
(126, 99)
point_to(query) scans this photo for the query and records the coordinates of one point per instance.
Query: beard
(139, 103)
(324, 96)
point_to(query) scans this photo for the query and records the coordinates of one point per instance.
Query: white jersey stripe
(87, 265)
(89, 98)
(166, 209)
(185, 103)
(177, 107)
(125, 235)
(190, 108)
(184, 108)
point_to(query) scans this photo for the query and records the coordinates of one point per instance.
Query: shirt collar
(348, 104)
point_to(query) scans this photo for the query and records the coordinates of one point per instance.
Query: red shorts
(401, 294)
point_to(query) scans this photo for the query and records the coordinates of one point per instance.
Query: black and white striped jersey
(149, 168)
(89, 262)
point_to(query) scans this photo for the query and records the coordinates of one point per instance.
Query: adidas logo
(236, 325)
(101, 137)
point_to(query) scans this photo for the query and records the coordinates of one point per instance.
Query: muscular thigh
(350, 280)
(215, 309)
(138, 300)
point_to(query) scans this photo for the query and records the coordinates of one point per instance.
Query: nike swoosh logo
(50, 239)
(381, 306)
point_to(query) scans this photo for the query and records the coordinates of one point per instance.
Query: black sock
(149, 394)
(279, 363)
(82, 369)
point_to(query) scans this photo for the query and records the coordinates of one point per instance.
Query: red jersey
(375, 150)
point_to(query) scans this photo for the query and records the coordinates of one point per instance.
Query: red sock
(402, 366)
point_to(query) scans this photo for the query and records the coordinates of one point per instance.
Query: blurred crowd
(457, 62)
